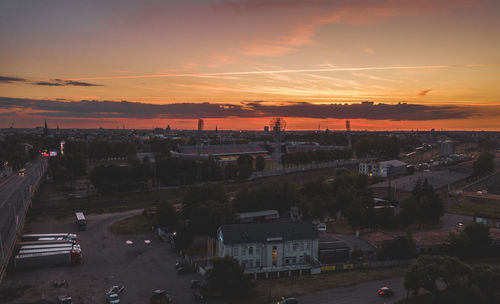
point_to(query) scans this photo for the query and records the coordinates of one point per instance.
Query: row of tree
(308, 157)
(112, 179)
(462, 283)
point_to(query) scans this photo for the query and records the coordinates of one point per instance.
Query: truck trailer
(48, 237)
(63, 257)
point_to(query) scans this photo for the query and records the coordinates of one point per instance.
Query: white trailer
(47, 259)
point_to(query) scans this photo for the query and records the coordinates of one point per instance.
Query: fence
(378, 264)
(312, 166)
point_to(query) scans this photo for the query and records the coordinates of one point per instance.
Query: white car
(322, 227)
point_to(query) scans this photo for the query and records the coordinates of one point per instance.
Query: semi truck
(48, 237)
(61, 257)
(29, 249)
(53, 242)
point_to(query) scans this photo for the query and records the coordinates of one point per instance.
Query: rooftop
(376, 238)
(431, 238)
(267, 232)
(438, 179)
(216, 150)
(245, 215)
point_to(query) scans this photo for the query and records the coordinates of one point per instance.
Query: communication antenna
(277, 125)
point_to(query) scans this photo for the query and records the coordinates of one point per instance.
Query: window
(295, 246)
(257, 263)
(250, 263)
(294, 260)
(287, 260)
(243, 251)
(257, 250)
(301, 259)
(287, 247)
(235, 251)
(250, 250)
(308, 246)
(300, 246)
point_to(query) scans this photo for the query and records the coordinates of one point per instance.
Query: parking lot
(107, 261)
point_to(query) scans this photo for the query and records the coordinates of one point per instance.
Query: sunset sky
(416, 64)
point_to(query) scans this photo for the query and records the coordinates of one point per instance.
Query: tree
(463, 283)
(484, 164)
(227, 278)
(424, 206)
(208, 216)
(196, 195)
(245, 166)
(479, 236)
(400, 248)
(260, 163)
(166, 215)
(183, 237)
(423, 273)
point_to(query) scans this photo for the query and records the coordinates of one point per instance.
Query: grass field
(137, 224)
(268, 290)
(468, 207)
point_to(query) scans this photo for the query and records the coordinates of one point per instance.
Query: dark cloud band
(51, 83)
(126, 109)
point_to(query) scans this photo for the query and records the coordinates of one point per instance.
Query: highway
(364, 293)
(15, 198)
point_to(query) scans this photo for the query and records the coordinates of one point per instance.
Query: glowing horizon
(229, 53)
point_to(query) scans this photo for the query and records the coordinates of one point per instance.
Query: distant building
(222, 153)
(311, 147)
(383, 169)
(489, 220)
(258, 216)
(331, 249)
(280, 246)
(145, 155)
(447, 148)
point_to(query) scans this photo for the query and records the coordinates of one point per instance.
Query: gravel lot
(107, 261)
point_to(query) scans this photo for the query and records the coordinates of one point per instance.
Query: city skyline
(382, 64)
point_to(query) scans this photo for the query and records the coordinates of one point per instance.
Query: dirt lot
(107, 261)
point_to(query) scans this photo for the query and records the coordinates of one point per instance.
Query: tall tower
(200, 125)
(278, 126)
(348, 133)
(45, 129)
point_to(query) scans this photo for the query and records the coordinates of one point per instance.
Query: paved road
(365, 293)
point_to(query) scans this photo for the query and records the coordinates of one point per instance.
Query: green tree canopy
(227, 278)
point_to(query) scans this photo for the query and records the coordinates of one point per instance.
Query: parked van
(80, 221)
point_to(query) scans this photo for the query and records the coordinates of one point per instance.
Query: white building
(384, 168)
(276, 246)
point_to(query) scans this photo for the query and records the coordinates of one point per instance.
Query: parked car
(184, 270)
(181, 264)
(322, 227)
(283, 300)
(197, 283)
(160, 296)
(112, 298)
(116, 289)
(385, 291)
(64, 300)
